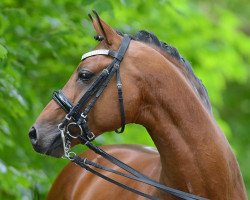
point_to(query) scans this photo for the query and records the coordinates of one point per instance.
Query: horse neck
(195, 155)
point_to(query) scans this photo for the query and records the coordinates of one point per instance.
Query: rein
(77, 119)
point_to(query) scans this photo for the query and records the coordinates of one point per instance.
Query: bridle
(75, 118)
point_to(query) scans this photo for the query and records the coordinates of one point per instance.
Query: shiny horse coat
(161, 93)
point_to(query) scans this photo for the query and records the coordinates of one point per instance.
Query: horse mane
(174, 56)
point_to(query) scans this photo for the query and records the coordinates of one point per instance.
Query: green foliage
(3, 52)
(40, 46)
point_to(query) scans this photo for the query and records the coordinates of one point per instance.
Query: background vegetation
(40, 46)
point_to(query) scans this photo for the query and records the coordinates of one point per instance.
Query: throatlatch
(78, 120)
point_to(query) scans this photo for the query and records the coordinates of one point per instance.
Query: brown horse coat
(160, 94)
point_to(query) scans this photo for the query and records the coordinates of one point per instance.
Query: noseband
(78, 119)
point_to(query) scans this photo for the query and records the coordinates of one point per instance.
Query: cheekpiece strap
(123, 48)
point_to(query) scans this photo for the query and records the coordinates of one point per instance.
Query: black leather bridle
(78, 120)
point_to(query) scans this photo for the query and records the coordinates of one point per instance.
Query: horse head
(105, 115)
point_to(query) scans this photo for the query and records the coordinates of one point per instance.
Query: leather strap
(110, 158)
(81, 163)
(137, 176)
(99, 52)
(62, 100)
(120, 99)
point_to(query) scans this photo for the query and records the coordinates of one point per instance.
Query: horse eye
(85, 75)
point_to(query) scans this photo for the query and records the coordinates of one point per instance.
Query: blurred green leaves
(3, 52)
(41, 43)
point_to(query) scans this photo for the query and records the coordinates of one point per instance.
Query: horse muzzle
(51, 144)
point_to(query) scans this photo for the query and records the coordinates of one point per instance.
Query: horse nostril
(33, 135)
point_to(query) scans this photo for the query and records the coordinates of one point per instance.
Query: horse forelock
(186, 68)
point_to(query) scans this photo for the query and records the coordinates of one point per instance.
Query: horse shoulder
(77, 183)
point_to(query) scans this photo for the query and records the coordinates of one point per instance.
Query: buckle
(119, 86)
(68, 118)
(116, 65)
(90, 136)
(82, 119)
(83, 116)
(106, 71)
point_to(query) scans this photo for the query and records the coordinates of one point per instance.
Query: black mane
(151, 39)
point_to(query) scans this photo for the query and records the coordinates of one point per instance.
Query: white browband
(97, 52)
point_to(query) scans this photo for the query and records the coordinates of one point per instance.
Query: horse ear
(111, 38)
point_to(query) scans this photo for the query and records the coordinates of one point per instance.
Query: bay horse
(160, 92)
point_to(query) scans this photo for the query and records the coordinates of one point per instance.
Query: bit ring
(68, 132)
